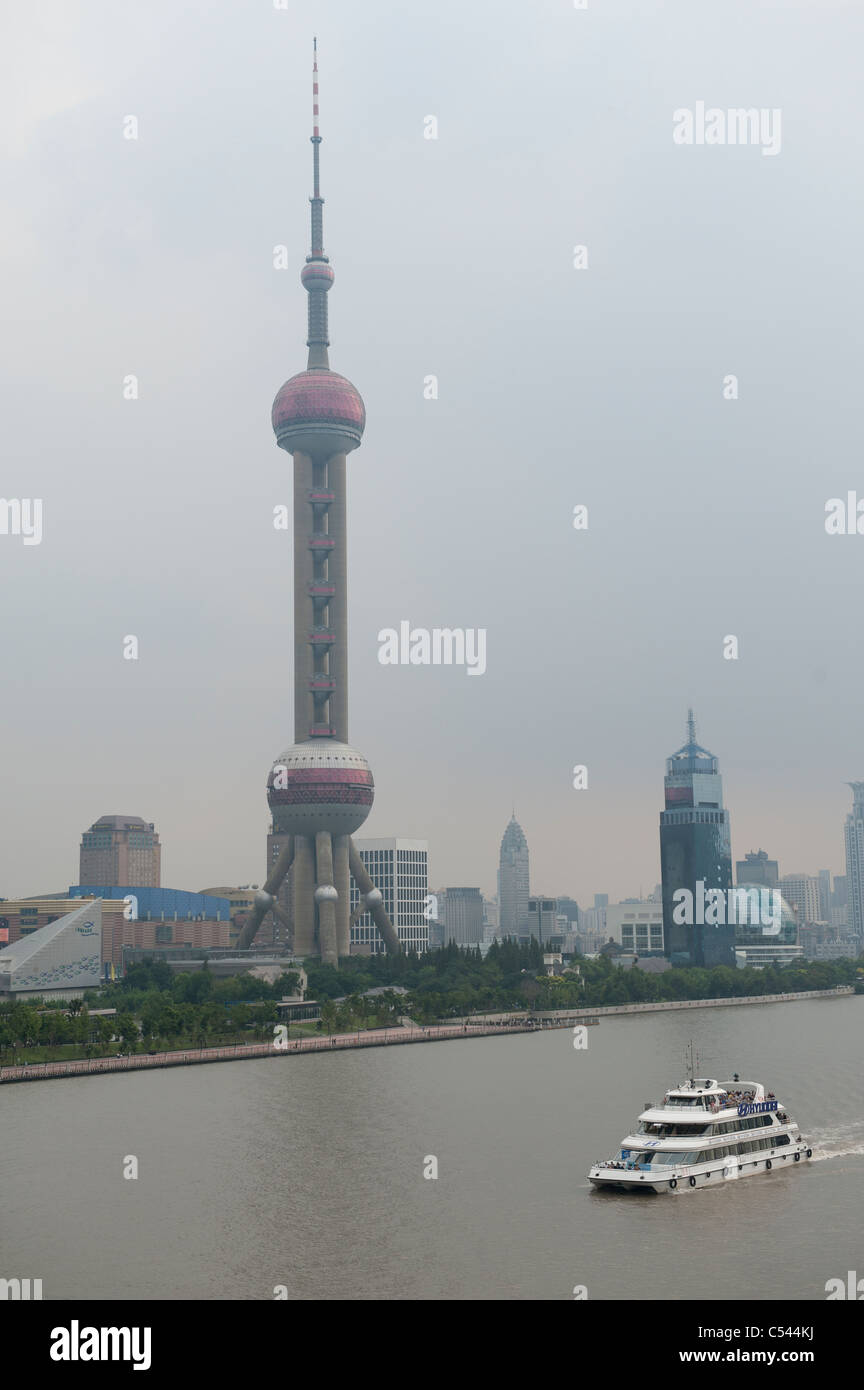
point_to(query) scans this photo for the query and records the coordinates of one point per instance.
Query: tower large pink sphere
(320, 785)
(319, 413)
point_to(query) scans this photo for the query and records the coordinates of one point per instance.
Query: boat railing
(725, 1101)
(621, 1165)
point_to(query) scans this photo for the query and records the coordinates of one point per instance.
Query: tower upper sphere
(318, 412)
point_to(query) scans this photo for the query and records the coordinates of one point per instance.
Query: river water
(307, 1172)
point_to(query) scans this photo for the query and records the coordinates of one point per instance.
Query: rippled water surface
(308, 1171)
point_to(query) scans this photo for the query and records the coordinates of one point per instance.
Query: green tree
(126, 1028)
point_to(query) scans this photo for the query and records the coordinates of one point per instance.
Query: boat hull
(690, 1179)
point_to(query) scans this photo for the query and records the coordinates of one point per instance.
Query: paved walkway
(379, 1037)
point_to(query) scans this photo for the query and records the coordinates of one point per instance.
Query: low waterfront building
(297, 1010)
(21, 917)
(58, 961)
(766, 953)
(222, 964)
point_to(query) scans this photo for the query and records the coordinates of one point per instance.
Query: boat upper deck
(696, 1099)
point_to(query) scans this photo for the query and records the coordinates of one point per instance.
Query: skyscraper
(695, 848)
(855, 861)
(320, 790)
(119, 850)
(513, 882)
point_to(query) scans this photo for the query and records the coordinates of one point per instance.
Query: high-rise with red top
(320, 790)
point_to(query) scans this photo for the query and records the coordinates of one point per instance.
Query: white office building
(400, 869)
(637, 926)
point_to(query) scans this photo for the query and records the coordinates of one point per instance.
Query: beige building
(801, 891)
(120, 852)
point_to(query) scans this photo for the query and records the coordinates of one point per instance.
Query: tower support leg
(327, 906)
(342, 883)
(261, 907)
(304, 896)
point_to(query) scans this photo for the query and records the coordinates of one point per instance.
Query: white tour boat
(705, 1132)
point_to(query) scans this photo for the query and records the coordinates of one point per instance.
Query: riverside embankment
(561, 1018)
(478, 1026)
(289, 1047)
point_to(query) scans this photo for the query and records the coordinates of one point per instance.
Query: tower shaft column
(338, 574)
(304, 612)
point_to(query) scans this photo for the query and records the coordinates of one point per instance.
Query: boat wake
(839, 1142)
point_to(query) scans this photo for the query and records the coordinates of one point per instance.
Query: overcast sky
(454, 257)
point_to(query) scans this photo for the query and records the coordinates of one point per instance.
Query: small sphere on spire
(317, 275)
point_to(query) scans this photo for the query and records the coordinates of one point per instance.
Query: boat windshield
(656, 1158)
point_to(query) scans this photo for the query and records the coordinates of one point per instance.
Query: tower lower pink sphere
(320, 785)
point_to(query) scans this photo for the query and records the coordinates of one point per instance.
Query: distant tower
(513, 882)
(757, 868)
(855, 861)
(463, 916)
(320, 790)
(118, 851)
(695, 848)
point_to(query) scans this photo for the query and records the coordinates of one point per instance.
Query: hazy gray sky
(557, 386)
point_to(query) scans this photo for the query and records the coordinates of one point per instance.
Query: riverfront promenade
(374, 1037)
(478, 1026)
(563, 1018)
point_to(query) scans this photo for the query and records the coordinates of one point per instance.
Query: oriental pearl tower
(320, 790)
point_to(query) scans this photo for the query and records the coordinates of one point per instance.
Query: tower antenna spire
(317, 274)
(691, 727)
(316, 138)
